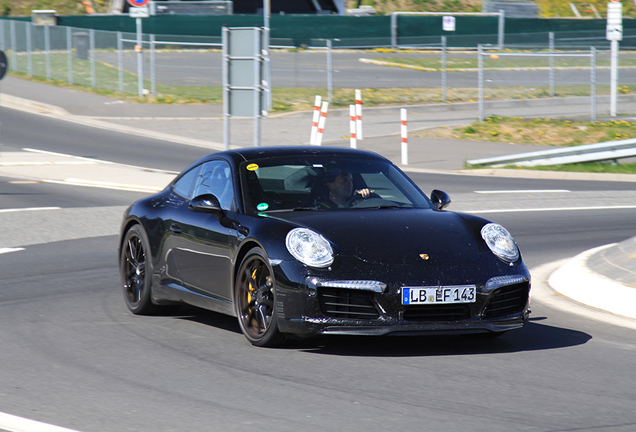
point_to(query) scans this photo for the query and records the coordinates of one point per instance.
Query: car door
(201, 245)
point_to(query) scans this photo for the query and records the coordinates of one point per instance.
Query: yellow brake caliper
(251, 288)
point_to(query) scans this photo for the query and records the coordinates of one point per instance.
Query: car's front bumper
(307, 305)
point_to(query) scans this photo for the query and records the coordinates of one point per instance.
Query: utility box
(81, 42)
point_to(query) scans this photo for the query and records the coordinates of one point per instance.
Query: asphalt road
(308, 69)
(73, 355)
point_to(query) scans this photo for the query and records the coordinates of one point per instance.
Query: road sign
(448, 23)
(138, 3)
(139, 12)
(614, 30)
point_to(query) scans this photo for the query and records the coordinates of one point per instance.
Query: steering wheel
(356, 196)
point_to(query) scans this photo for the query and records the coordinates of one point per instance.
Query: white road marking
(15, 210)
(13, 423)
(550, 209)
(524, 191)
(8, 250)
(104, 185)
(98, 161)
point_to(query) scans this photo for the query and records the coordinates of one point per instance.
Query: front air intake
(347, 304)
(507, 300)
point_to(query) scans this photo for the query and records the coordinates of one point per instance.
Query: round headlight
(309, 247)
(500, 242)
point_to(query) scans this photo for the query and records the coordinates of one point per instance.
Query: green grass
(538, 131)
(593, 167)
(546, 131)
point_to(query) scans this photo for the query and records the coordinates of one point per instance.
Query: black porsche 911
(308, 241)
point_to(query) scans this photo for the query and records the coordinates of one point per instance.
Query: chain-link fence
(190, 68)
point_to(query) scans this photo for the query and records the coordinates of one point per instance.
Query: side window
(216, 178)
(185, 185)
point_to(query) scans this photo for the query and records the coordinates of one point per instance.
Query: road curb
(576, 281)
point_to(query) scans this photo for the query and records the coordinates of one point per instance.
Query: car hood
(395, 236)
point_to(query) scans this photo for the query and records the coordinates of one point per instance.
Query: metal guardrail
(586, 153)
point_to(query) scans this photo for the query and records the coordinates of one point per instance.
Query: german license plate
(439, 295)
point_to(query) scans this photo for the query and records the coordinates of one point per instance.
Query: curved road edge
(578, 282)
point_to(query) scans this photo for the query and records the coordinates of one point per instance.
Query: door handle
(176, 229)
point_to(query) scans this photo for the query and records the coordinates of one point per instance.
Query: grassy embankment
(550, 132)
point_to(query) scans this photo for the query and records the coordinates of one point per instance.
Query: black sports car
(314, 240)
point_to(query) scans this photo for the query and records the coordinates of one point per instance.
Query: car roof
(250, 153)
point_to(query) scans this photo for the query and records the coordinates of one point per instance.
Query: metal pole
(120, 61)
(266, 13)
(140, 59)
(551, 43)
(47, 50)
(613, 77)
(444, 82)
(226, 88)
(393, 30)
(29, 59)
(480, 62)
(501, 28)
(257, 87)
(14, 55)
(329, 73)
(69, 47)
(268, 67)
(153, 67)
(593, 81)
(91, 35)
(2, 42)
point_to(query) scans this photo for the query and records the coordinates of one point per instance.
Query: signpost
(138, 10)
(244, 68)
(614, 34)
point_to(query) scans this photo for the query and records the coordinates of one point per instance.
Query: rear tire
(255, 300)
(135, 268)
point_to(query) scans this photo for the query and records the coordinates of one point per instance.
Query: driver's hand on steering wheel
(364, 193)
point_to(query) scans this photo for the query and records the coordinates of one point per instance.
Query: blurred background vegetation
(547, 8)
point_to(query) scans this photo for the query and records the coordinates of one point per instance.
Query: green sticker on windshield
(262, 207)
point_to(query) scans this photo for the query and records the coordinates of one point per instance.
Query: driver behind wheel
(340, 193)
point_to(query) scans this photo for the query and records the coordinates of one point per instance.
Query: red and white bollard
(358, 114)
(352, 126)
(405, 147)
(314, 126)
(321, 122)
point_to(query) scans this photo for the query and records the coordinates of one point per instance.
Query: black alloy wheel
(135, 267)
(255, 300)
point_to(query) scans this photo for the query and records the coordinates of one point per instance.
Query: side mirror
(206, 203)
(440, 199)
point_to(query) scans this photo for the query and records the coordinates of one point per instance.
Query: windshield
(322, 182)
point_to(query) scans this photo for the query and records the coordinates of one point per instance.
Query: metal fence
(108, 60)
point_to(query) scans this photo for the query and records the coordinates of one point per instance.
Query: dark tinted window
(286, 183)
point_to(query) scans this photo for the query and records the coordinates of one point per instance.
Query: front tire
(135, 268)
(255, 300)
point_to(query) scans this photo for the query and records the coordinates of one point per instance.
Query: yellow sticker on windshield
(252, 167)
